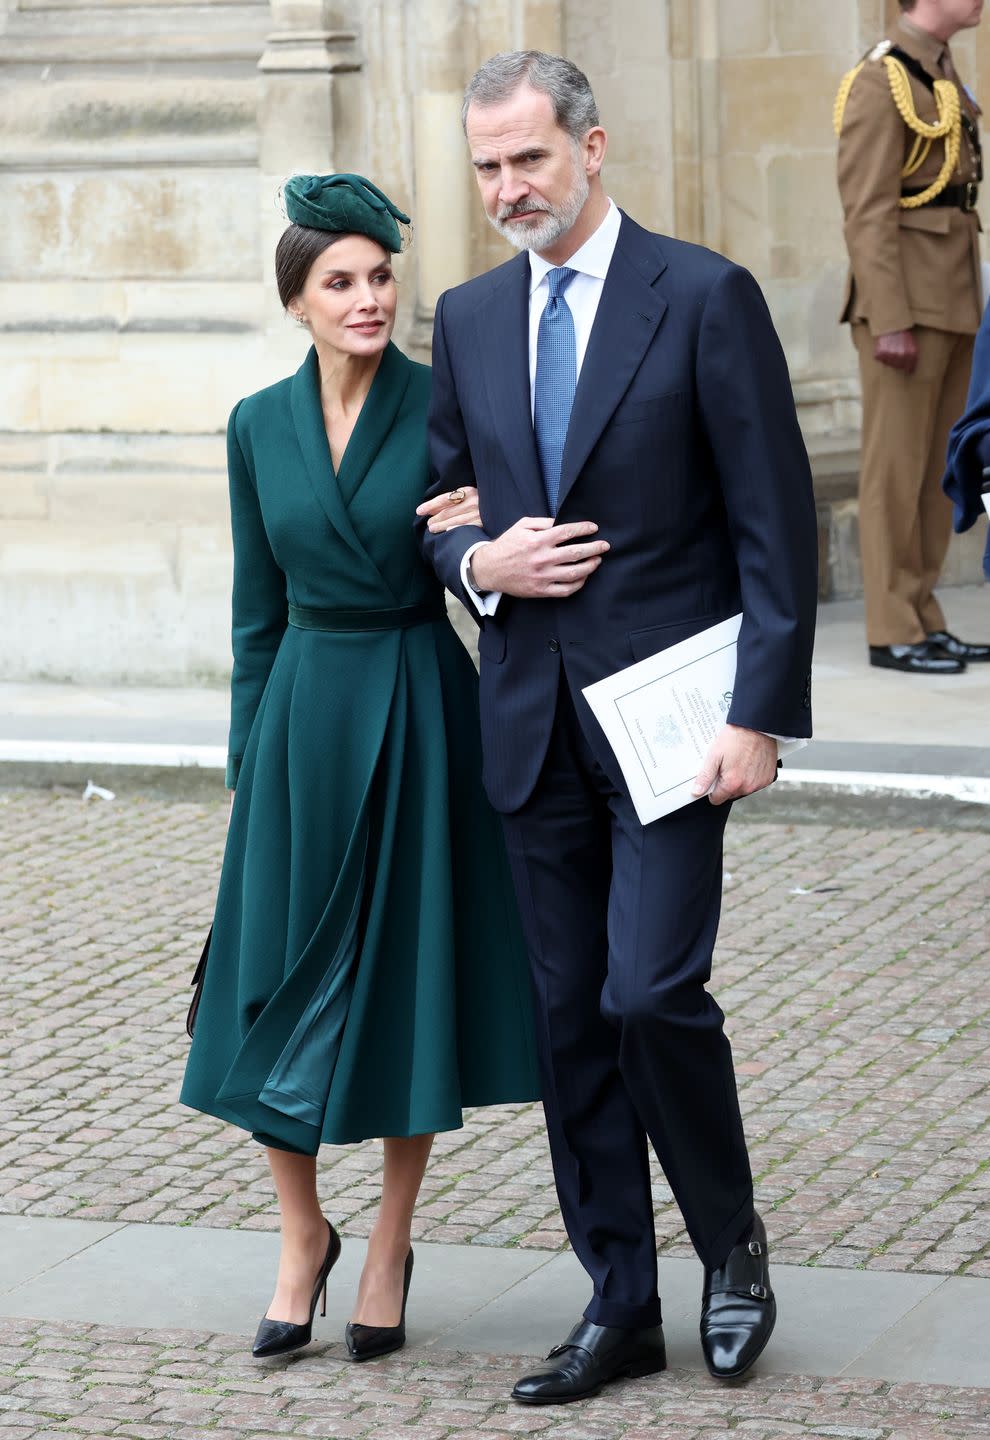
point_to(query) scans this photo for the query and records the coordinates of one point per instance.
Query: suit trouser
(905, 521)
(620, 922)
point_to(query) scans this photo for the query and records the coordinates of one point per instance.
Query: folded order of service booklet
(661, 715)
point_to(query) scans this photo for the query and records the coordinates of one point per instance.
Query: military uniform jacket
(907, 267)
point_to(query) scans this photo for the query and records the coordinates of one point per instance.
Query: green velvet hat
(344, 205)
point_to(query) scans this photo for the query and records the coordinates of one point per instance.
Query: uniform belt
(958, 197)
(306, 617)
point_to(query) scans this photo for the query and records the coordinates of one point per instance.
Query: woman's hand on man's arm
(451, 509)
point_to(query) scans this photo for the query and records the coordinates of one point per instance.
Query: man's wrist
(476, 583)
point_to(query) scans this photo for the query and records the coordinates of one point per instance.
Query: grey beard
(555, 223)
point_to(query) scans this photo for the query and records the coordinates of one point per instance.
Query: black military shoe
(960, 649)
(922, 659)
(589, 1358)
(738, 1311)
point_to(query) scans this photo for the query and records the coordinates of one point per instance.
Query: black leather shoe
(279, 1337)
(960, 649)
(590, 1357)
(738, 1311)
(923, 659)
(367, 1342)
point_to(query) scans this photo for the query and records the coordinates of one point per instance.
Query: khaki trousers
(905, 521)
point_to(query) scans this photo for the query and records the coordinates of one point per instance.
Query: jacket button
(553, 646)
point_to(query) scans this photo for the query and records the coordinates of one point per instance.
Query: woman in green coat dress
(366, 974)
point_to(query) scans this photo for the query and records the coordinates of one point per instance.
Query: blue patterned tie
(556, 381)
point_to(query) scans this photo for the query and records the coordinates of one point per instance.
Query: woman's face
(349, 298)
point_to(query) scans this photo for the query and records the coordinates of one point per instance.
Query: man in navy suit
(622, 404)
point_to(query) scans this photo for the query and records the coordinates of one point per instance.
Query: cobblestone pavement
(94, 1382)
(853, 966)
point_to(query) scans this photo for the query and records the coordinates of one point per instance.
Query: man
(913, 300)
(623, 406)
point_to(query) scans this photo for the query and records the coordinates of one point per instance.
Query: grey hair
(574, 107)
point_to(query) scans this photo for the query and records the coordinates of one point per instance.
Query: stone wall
(141, 146)
(130, 297)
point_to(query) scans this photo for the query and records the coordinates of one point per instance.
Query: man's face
(532, 176)
(959, 14)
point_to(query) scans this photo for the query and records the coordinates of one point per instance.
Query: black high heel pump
(278, 1337)
(367, 1342)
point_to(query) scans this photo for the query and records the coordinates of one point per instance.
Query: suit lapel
(503, 352)
(628, 317)
(374, 424)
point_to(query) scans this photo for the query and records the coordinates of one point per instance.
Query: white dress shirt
(583, 295)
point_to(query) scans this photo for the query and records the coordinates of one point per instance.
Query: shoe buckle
(755, 1248)
(758, 1292)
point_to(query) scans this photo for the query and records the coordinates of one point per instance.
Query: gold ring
(456, 496)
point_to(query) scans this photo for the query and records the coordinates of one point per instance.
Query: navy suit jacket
(969, 444)
(683, 447)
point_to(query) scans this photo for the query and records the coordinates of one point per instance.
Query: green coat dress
(367, 974)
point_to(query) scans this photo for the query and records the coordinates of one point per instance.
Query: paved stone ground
(854, 967)
(95, 1382)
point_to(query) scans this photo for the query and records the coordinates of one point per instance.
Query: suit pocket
(648, 408)
(929, 246)
(927, 218)
(655, 638)
(491, 643)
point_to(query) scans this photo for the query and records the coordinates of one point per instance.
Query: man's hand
(899, 350)
(445, 513)
(535, 559)
(739, 762)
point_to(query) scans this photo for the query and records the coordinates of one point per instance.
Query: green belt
(304, 617)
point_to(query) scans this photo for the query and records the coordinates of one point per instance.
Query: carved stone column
(443, 179)
(302, 56)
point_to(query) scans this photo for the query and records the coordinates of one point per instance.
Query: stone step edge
(967, 789)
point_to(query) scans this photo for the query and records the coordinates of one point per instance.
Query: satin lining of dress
(314, 1045)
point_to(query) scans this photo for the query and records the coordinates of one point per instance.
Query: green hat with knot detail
(344, 205)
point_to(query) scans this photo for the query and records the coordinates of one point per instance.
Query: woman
(366, 975)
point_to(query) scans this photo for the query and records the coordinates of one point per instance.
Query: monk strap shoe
(590, 1357)
(738, 1309)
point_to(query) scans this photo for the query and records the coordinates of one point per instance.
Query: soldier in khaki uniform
(909, 168)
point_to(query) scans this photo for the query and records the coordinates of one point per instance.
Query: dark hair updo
(297, 249)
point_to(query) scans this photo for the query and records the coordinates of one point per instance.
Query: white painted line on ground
(975, 790)
(97, 752)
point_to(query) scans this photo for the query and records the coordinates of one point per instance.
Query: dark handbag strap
(199, 976)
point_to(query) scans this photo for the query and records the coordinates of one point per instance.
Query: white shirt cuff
(786, 745)
(486, 603)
